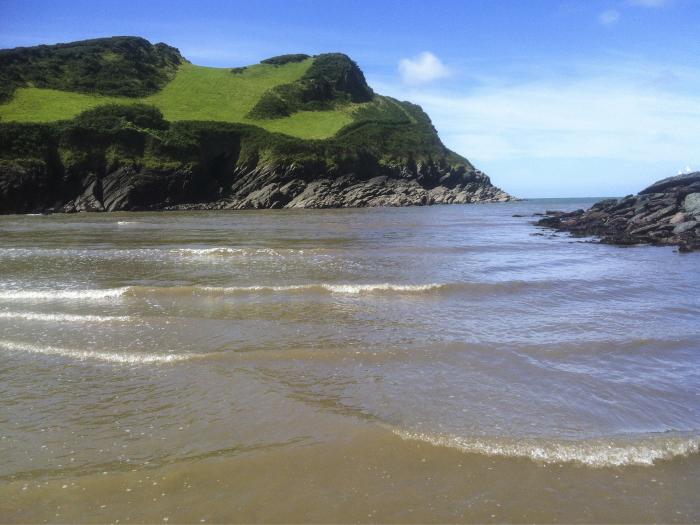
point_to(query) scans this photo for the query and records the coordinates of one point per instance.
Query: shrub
(285, 59)
(117, 116)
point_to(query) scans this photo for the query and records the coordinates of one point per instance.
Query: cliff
(147, 130)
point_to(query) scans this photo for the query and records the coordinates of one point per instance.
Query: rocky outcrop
(665, 213)
(278, 187)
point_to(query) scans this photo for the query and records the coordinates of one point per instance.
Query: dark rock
(665, 184)
(664, 214)
(684, 227)
(691, 204)
(265, 186)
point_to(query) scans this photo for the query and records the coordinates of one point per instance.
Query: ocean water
(438, 364)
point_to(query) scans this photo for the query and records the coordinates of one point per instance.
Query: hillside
(74, 115)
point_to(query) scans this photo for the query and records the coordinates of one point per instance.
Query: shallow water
(450, 363)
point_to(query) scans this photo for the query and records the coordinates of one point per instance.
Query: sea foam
(133, 358)
(68, 318)
(319, 288)
(341, 289)
(599, 453)
(50, 295)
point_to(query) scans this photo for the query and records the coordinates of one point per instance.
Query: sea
(394, 365)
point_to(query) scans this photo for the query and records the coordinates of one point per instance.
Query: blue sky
(550, 98)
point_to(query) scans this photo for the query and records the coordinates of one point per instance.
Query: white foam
(68, 318)
(644, 451)
(149, 253)
(206, 252)
(383, 287)
(228, 251)
(82, 355)
(50, 295)
(348, 289)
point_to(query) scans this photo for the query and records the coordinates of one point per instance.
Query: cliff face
(280, 187)
(226, 169)
(666, 213)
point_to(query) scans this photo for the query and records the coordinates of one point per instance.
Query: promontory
(122, 124)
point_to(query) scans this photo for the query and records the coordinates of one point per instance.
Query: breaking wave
(327, 288)
(598, 453)
(157, 253)
(69, 318)
(241, 252)
(351, 289)
(50, 295)
(84, 355)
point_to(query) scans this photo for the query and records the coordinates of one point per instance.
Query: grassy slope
(196, 93)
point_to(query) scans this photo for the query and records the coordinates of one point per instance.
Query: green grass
(196, 93)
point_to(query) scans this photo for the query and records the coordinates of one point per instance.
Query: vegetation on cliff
(117, 66)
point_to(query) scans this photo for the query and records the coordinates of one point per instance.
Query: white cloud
(422, 69)
(648, 3)
(616, 112)
(609, 17)
(587, 129)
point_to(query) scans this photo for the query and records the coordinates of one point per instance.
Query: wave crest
(69, 318)
(83, 355)
(49, 295)
(601, 453)
(329, 288)
(349, 289)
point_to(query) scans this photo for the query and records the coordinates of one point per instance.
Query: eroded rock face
(131, 188)
(665, 213)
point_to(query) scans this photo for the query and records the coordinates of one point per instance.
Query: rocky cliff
(30, 187)
(665, 213)
(127, 156)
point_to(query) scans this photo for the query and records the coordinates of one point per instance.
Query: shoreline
(354, 479)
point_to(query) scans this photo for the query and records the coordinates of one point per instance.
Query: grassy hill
(290, 94)
(195, 93)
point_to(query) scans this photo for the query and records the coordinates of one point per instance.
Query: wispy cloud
(422, 69)
(609, 17)
(614, 112)
(587, 129)
(648, 3)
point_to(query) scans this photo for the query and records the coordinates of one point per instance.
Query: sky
(550, 98)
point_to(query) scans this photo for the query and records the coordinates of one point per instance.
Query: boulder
(691, 204)
(684, 227)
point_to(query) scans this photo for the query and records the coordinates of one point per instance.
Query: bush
(285, 59)
(270, 106)
(118, 116)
